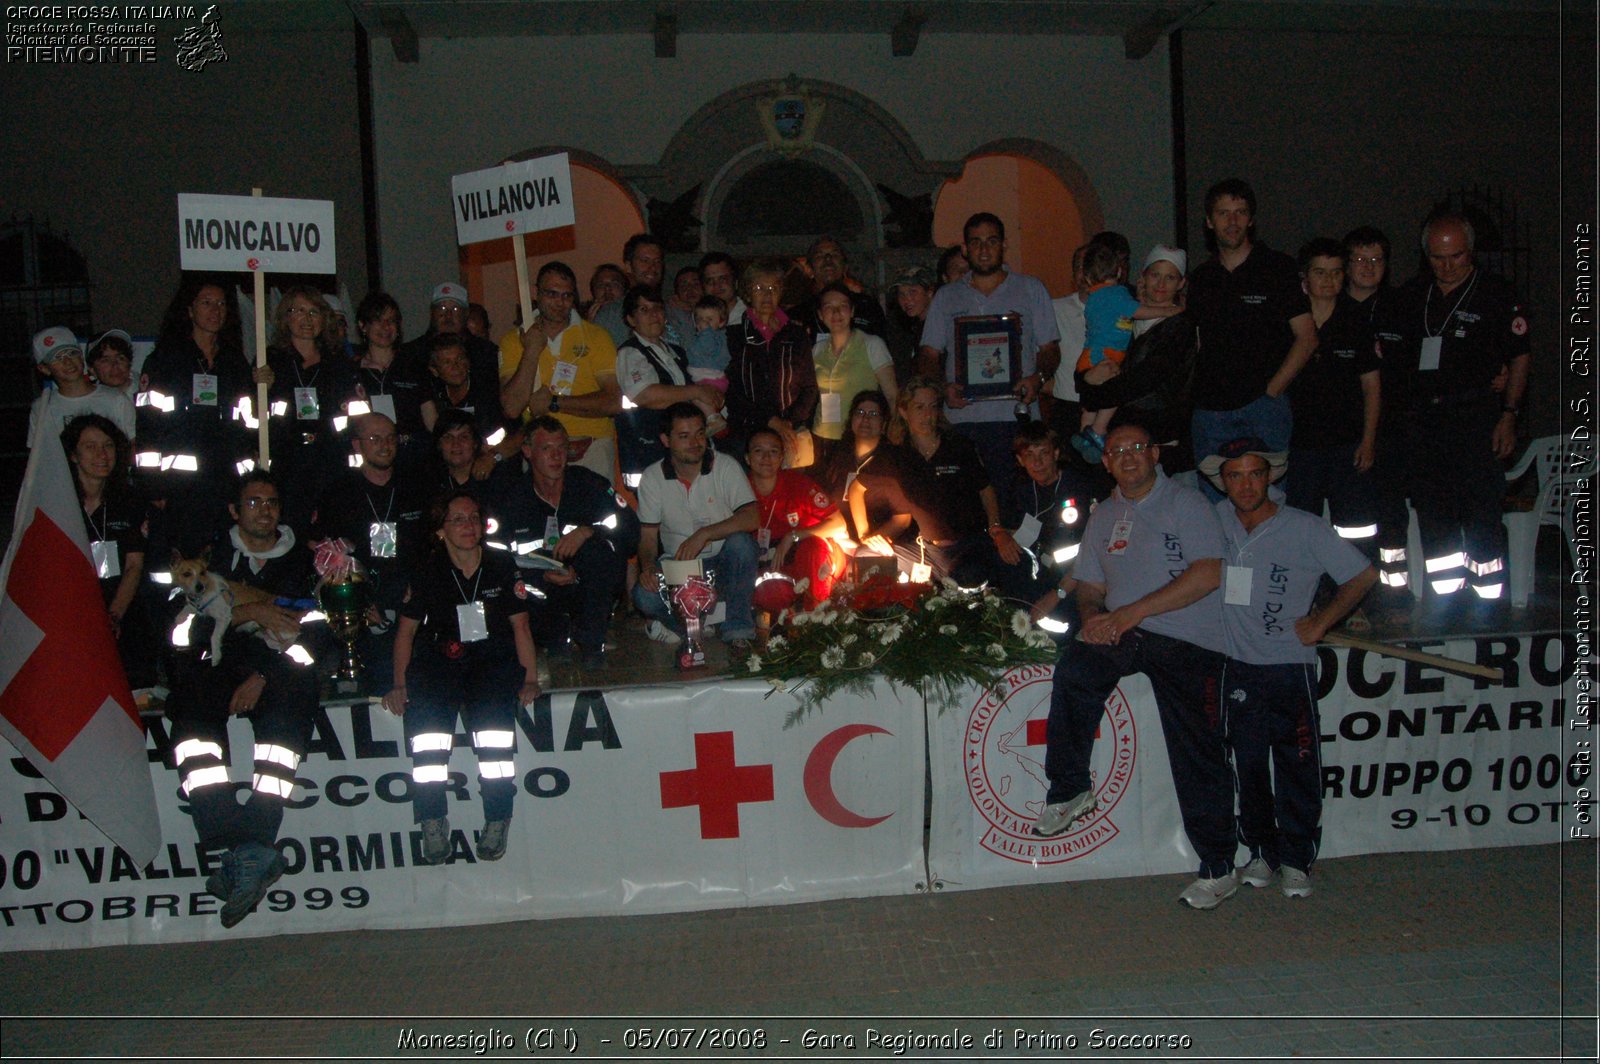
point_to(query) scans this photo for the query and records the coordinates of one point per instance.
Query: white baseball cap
(450, 292)
(50, 344)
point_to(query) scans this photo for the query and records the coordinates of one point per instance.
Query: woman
(909, 297)
(1154, 382)
(848, 362)
(387, 384)
(312, 382)
(935, 479)
(114, 518)
(653, 373)
(469, 608)
(800, 524)
(771, 380)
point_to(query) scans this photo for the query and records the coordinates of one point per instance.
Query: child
(59, 358)
(1109, 311)
(708, 354)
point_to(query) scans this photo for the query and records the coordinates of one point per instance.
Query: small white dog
(207, 594)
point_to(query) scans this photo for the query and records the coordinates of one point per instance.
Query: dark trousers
(1457, 485)
(1270, 714)
(581, 611)
(482, 687)
(1328, 475)
(281, 722)
(1184, 678)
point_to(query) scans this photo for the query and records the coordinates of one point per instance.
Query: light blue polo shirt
(1134, 547)
(1285, 557)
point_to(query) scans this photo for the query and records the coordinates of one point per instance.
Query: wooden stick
(520, 252)
(1438, 661)
(263, 405)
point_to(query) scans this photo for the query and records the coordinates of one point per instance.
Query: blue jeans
(1265, 417)
(735, 566)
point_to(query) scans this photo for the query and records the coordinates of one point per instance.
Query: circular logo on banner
(1003, 758)
(253, 264)
(511, 225)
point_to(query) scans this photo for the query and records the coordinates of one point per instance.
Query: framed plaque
(988, 355)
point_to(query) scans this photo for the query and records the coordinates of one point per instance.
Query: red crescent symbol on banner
(254, 264)
(819, 777)
(511, 225)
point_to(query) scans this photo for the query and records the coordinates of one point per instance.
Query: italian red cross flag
(64, 699)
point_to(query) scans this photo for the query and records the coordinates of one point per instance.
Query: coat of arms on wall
(791, 118)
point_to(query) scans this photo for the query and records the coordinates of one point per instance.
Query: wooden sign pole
(263, 405)
(1437, 661)
(524, 294)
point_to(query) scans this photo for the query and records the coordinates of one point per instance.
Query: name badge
(562, 376)
(205, 389)
(472, 622)
(1027, 533)
(764, 538)
(921, 573)
(1236, 583)
(306, 407)
(1121, 533)
(831, 409)
(382, 404)
(106, 562)
(383, 538)
(1432, 347)
(552, 531)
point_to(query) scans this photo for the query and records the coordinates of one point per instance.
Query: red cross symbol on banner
(716, 785)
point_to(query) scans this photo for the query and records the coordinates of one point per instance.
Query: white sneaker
(1059, 816)
(662, 634)
(1296, 884)
(1257, 873)
(1209, 893)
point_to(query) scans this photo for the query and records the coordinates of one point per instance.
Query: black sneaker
(492, 840)
(219, 884)
(255, 869)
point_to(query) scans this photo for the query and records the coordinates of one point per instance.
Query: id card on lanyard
(205, 390)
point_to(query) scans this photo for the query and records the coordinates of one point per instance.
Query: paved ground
(1455, 955)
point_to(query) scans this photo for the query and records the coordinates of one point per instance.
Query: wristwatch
(555, 404)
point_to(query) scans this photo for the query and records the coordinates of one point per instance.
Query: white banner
(523, 197)
(1412, 759)
(255, 233)
(630, 801)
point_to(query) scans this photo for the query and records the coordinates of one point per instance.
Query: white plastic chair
(1561, 469)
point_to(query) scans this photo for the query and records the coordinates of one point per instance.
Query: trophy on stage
(344, 594)
(686, 589)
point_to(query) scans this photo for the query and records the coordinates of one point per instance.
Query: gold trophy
(344, 595)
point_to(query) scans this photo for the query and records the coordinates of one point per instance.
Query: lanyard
(388, 507)
(1034, 484)
(1428, 299)
(100, 532)
(301, 378)
(465, 600)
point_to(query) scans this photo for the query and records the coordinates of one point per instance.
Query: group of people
(503, 498)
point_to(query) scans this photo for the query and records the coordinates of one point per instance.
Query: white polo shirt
(683, 509)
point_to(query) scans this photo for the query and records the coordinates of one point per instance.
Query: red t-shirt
(795, 502)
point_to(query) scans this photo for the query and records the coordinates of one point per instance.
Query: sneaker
(219, 884)
(255, 869)
(435, 840)
(1296, 884)
(492, 840)
(1209, 893)
(1089, 445)
(662, 634)
(1058, 817)
(739, 650)
(1257, 873)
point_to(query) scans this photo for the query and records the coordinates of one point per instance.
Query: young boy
(59, 358)
(1109, 311)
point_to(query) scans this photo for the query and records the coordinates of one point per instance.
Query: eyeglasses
(869, 415)
(557, 295)
(305, 312)
(262, 502)
(765, 289)
(1367, 260)
(1128, 448)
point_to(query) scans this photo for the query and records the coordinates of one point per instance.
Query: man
(1366, 258)
(571, 515)
(573, 375)
(58, 356)
(990, 288)
(686, 292)
(447, 313)
(720, 277)
(380, 512)
(696, 503)
(1070, 326)
(276, 691)
(606, 285)
(1452, 334)
(1337, 402)
(644, 260)
(829, 265)
(1276, 557)
(1255, 329)
(1148, 573)
(1044, 511)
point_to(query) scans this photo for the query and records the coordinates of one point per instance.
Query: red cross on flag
(64, 700)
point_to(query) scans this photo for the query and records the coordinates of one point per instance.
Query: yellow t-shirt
(586, 354)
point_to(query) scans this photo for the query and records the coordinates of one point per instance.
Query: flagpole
(263, 406)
